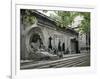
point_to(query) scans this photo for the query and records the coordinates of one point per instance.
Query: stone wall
(46, 29)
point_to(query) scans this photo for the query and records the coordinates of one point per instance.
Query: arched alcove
(35, 36)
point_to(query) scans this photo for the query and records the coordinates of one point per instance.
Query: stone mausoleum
(44, 37)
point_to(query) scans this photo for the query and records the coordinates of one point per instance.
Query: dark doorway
(77, 50)
(74, 45)
(50, 44)
(59, 46)
(63, 47)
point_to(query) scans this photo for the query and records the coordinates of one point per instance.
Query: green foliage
(63, 19)
(27, 18)
(85, 24)
(66, 18)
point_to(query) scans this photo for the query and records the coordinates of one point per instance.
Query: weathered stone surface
(45, 28)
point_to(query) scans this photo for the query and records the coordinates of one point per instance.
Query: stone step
(57, 63)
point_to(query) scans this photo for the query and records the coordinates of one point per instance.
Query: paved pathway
(73, 60)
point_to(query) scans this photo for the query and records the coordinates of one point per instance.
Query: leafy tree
(64, 18)
(85, 24)
(27, 17)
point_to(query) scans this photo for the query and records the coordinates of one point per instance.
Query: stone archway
(34, 39)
